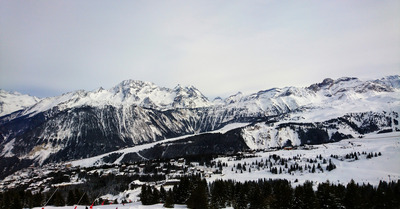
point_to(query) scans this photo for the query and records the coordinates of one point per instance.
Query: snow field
(385, 167)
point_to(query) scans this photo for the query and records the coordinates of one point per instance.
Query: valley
(115, 145)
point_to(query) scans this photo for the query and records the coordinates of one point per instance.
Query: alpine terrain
(333, 144)
(85, 124)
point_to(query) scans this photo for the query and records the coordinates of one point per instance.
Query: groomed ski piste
(98, 159)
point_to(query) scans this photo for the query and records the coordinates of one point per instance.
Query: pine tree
(256, 200)
(28, 200)
(326, 196)
(146, 196)
(304, 196)
(16, 203)
(218, 194)
(71, 198)
(352, 196)
(37, 200)
(198, 197)
(85, 199)
(58, 199)
(6, 200)
(182, 191)
(240, 196)
(330, 166)
(77, 195)
(298, 199)
(283, 193)
(163, 194)
(169, 201)
(155, 196)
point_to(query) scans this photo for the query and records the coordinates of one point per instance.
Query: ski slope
(385, 167)
(97, 160)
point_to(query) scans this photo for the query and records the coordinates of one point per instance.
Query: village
(44, 178)
(164, 172)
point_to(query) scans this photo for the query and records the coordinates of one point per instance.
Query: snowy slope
(332, 96)
(352, 125)
(329, 93)
(83, 124)
(13, 101)
(363, 170)
(98, 160)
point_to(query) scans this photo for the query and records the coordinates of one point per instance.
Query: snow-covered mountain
(82, 124)
(13, 101)
(127, 93)
(328, 94)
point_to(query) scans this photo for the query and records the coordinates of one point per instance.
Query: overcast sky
(221, 47)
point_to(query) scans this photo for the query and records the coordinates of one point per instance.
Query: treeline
(196, 193)
(18, 199)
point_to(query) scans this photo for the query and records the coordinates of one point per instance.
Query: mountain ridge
(14, 101)
(82, 124)
(149, 95)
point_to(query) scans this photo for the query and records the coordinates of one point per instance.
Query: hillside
(85, 124)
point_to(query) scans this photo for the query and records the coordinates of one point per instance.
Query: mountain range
(83, 124)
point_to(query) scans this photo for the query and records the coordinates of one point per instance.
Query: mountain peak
(147, 94)
(234, 98)
(14, 101)
(328, 82)
(132, 84)
(345, 79)
(391, 80)
(178, 87)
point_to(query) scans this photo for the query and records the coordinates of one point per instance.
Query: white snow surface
(7, 151)
(349, 93)
(332, 100)
(13, 101)
(129, 92)
(385, 167)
